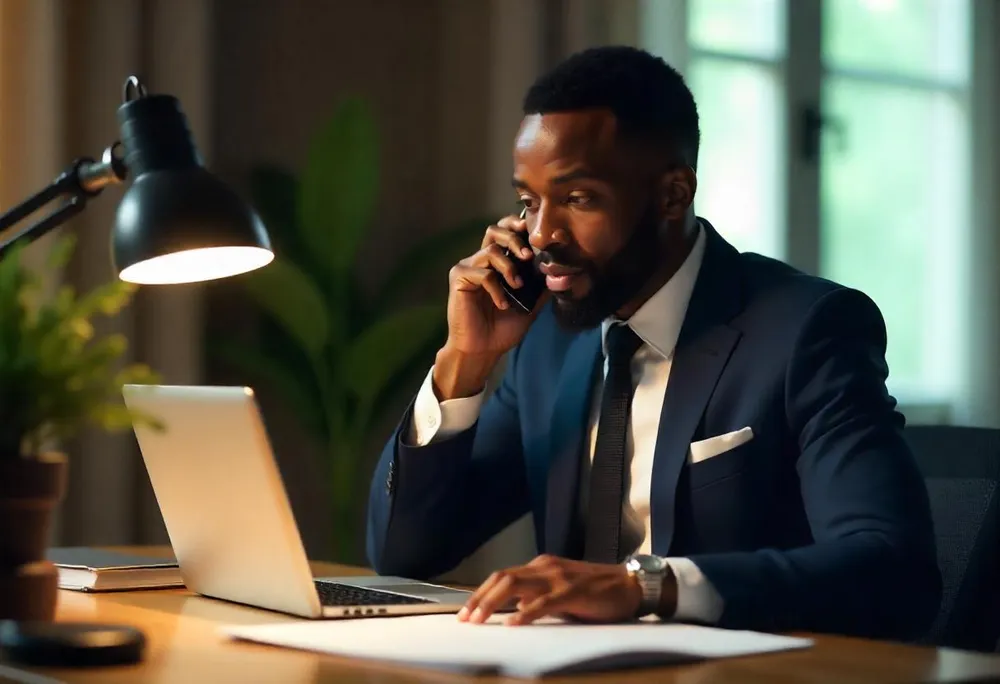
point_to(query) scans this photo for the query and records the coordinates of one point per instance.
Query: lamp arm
(82, 180)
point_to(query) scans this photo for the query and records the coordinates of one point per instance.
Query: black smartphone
(533, 281)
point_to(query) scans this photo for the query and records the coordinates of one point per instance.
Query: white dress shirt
(658, 322)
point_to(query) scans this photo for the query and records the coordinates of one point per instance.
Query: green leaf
(292, 299)
(385, 348)
(431, 257)
(56, 376)
(268, 373)
(339, 186)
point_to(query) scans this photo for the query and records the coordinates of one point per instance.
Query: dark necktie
(607, 488)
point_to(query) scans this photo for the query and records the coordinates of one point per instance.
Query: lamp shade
(177, 223)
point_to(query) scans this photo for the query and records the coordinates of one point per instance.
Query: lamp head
(177, 223)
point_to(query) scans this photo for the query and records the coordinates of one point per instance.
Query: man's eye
(580, 199)
(527, 202)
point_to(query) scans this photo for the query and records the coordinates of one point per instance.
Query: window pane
(739, 186)
(893, 218)
(921, 38)
(751, 27)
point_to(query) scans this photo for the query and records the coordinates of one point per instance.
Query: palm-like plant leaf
(334, 356)
(384, 349)
(292, 299)
(339, 186)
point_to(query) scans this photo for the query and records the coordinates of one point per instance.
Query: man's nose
(546, 228)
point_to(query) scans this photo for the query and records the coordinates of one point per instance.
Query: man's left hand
(550, 586)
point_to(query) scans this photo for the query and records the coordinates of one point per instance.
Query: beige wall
(31, 104)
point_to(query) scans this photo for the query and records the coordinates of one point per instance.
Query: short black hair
(648, 97)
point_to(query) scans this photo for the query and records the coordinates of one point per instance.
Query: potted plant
(337, 355)
(56, 378)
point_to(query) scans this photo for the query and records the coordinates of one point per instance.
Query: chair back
(961, 467)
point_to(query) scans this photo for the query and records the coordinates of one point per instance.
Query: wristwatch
(650, 572)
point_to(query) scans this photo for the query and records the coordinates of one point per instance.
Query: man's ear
(677, 189)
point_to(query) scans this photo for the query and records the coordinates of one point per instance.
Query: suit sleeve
(872, 569)
(430, 506)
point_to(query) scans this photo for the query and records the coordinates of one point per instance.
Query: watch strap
(650, 581)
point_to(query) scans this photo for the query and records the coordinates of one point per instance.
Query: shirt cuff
(697, 599)
(434, 420)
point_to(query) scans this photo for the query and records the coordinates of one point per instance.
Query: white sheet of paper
(441, 642)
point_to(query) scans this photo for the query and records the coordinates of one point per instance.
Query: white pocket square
(713, 446)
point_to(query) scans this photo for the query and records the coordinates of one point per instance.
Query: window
(882, 89)
(892, 207)
(734, 64)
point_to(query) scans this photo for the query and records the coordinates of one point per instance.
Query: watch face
(648, 563)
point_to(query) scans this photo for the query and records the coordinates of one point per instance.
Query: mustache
(560, 256)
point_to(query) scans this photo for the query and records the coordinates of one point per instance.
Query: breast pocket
(719, 467)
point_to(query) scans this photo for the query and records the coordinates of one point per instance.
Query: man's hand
(550, 586)
(482, 325)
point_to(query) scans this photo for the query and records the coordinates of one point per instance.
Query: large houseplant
(56, 378)
(336, 354)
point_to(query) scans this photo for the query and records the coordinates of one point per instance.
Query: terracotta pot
(30, 490)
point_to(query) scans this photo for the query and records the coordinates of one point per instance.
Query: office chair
(961, 467)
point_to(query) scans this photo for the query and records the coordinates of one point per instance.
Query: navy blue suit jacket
(821, 522)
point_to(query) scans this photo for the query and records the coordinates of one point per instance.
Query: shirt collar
(658, 321)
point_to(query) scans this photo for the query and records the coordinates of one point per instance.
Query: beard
(614, 284)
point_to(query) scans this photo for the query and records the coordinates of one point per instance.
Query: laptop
(229, 520)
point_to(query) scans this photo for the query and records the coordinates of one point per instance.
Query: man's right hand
(482, 324)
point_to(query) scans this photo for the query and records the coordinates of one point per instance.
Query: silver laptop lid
(222, 498)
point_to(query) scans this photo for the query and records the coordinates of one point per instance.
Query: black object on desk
(70, 644)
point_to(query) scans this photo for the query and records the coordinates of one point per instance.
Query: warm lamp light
(194, 265)
(177, 223)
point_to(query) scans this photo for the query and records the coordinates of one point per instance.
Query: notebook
(547, 648)
(84, 568)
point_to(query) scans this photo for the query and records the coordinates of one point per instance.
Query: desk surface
(183, 646)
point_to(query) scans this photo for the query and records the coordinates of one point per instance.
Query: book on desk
(83, 568)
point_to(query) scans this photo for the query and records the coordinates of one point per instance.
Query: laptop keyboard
(334, 594)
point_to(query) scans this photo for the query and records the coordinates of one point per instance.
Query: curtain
(62, 66)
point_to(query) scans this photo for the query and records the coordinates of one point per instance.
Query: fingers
(554, 602)
(470, 278)
(509, 232)
(469, 610)
(547, 586)
(482, 269)
(499, 590)
(493, 256)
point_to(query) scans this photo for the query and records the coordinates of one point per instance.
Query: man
(698, 434)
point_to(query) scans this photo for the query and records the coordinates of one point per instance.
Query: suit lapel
(567, 440)
(703, 348)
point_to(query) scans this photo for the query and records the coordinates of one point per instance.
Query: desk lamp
(177, 223)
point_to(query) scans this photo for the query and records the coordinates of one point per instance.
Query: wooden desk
(183, 646)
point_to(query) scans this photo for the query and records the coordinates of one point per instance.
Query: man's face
(592, 211)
